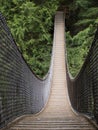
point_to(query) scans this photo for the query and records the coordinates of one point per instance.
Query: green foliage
(91, 12)
(81, 4)
(82, 14)
(81, 26)
(88, 17)
(31, 25)
(78, 47)
(84, 22)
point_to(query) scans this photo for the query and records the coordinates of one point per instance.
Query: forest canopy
(32, 23)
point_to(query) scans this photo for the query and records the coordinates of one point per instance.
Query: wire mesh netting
(21, 92)
(83, 90)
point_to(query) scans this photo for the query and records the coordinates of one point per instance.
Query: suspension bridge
(56, 102)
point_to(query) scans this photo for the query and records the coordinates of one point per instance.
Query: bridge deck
(58, 114)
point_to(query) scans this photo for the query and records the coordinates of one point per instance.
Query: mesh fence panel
(83, 90)
(21, 92)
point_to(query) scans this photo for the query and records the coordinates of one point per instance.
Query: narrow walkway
(57, 115)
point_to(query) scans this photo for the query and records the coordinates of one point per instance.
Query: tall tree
(31, 24)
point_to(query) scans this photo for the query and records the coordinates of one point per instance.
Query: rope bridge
(23, 93)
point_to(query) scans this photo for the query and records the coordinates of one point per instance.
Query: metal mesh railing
(21, 92)
(83, 90)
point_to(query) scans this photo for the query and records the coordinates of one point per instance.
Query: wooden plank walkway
(58, 114)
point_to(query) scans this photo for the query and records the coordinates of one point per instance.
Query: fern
(91, 13)
(85, 22)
